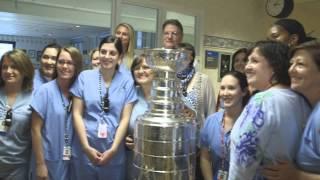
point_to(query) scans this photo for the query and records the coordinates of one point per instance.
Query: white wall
(28, 43)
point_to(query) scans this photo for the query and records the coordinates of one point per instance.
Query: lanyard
(67, 109)
(104, 100)
(225, 146)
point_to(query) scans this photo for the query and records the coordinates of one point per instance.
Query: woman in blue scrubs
(52, 130)
(143, 76)
(46, 71)
(305, 78)
(102, 104)
(271, 124)
(16, 79)
(215, 135)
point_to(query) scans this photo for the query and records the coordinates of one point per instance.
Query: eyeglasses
(8, 119)
(106, 102)
(49, 57)
(173, 34)
(63, 62)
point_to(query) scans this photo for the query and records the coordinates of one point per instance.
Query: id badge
(222, 175)
(3, 128)
(66, 153)
(102, 130)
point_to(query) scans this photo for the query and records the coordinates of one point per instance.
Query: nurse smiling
(103, 100)
(305, 78)
(52, 131)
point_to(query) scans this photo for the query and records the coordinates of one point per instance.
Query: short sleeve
(317, 133)
(204, 135)
(40, 100)
(78, 86)
(250, 137)
(208, 132)
(131, 95)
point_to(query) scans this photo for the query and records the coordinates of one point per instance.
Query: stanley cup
(165, 139)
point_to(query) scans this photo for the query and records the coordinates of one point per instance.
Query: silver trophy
(165, 139)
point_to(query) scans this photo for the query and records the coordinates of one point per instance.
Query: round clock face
(275, 7)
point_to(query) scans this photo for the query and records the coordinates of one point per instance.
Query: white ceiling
(22, 25)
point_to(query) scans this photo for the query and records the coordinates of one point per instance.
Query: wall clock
(279, 8)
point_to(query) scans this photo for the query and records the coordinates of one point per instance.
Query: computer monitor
(6, 46)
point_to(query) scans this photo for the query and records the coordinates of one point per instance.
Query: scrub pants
(17, 173)
(84, 170)
(57, 170)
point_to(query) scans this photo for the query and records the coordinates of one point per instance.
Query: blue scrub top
(268, 129)
(210, 138)
(121, 92)
(38, 79)
(15, 144)
(139, 108)
(48, 104)
(308, 157)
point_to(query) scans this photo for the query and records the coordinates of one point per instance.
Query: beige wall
(235, 19)
(308, 14)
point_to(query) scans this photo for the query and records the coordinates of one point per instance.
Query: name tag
(102, 130)
(222, 175)
(3, 128)
(66, 153)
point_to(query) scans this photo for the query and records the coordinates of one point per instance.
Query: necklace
(225, 145)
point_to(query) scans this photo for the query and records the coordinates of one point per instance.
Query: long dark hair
(112, 39)
(242, 80)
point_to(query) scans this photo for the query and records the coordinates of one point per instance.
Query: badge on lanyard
(66, 153)
(6, 121)
(3, 128)
(102, 130)
(222, 175)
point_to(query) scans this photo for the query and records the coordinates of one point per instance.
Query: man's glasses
(106, 102)
(173, 34)
(8, 119)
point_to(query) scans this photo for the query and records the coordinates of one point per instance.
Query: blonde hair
(129, 52)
